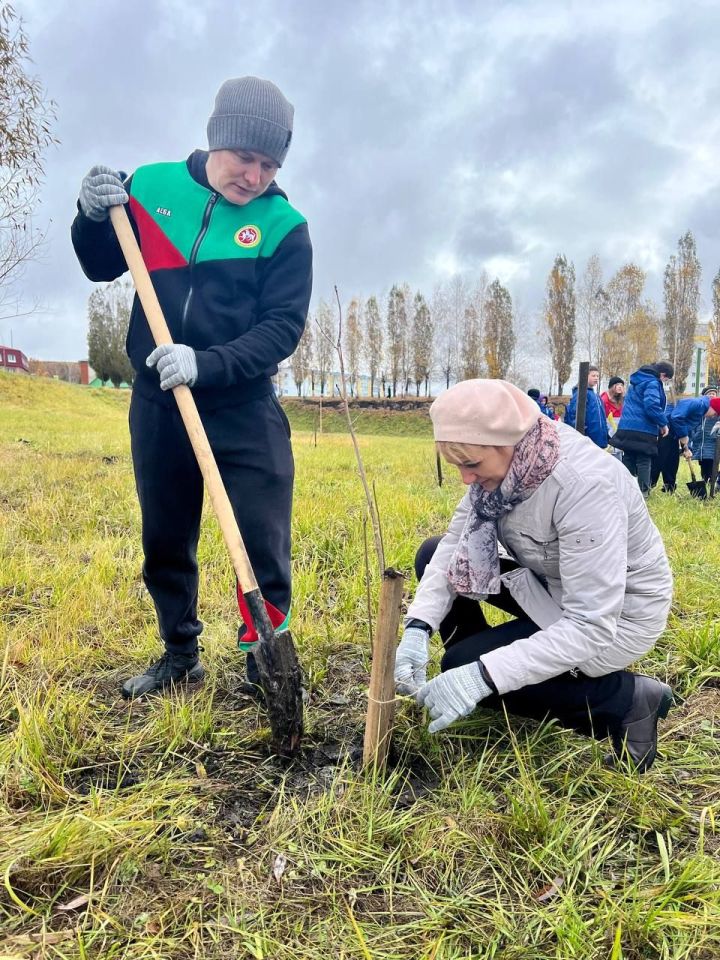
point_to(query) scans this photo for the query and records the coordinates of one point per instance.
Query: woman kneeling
(585, 576)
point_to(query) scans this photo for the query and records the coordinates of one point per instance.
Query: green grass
(312, 417)
(491, 840)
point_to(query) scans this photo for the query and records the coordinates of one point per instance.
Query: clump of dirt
(113, 776)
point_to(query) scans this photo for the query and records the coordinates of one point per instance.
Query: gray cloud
(484, 138)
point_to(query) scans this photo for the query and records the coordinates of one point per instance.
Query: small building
(72, 371)
(699, 374)
(13, 360)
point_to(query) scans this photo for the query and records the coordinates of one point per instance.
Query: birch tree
(406, 345)
(324, 339)
(301, 360)
(458, 298)
(444, 343)
(471, 345)
(592, 313)
(352, 335)
(395, 329)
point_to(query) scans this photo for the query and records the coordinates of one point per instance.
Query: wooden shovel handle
(186, 404)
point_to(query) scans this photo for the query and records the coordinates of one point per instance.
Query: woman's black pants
(706, 470)
(666, 463)
(594, 706)
(640, 466)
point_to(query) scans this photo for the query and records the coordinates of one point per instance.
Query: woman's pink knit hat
(491, 413)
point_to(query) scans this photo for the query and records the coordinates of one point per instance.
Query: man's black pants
(251, 444)
(594, 706)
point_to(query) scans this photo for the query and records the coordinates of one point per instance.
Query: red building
(13, 360)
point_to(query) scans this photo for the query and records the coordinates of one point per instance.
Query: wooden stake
(381, 695)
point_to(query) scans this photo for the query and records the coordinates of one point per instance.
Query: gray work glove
(452, 695)
(411, 659)
(176, 364)
(101, 189)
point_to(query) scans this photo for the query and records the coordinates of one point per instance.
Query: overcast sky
(429, 138)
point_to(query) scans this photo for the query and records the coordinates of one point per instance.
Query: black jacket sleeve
(96, 245)
(281, 310)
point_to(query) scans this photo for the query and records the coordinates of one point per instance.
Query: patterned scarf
(475, 566)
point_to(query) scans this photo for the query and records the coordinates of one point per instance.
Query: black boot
(638, 731)
(170, 669)
(251, 686)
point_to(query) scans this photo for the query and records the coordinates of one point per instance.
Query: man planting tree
(231, 263)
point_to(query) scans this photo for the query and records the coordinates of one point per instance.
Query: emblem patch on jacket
(248, 236)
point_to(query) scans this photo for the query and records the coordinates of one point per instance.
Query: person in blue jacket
(547, 408)
(703, 439)
(643, 420)
(596, 427)
(688, 415)
(542, 401)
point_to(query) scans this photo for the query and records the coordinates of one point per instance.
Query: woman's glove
(411, 659)
(101, 189)
(453, 694)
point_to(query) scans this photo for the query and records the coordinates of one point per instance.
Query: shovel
(275, 652)
(696, 487)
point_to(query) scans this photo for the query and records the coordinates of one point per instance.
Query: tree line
(469, 331)
(400, 346)
(615, 325)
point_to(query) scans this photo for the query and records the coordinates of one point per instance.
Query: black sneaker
(170, 669)
(637, 735)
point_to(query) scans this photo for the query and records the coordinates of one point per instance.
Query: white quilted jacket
(593, 572)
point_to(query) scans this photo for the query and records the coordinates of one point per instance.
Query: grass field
(306, 417)
(153, 830)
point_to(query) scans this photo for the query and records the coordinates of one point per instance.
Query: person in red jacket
(612, 401)
(613, 397)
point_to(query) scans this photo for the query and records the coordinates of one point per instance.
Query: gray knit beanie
(251, 114)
